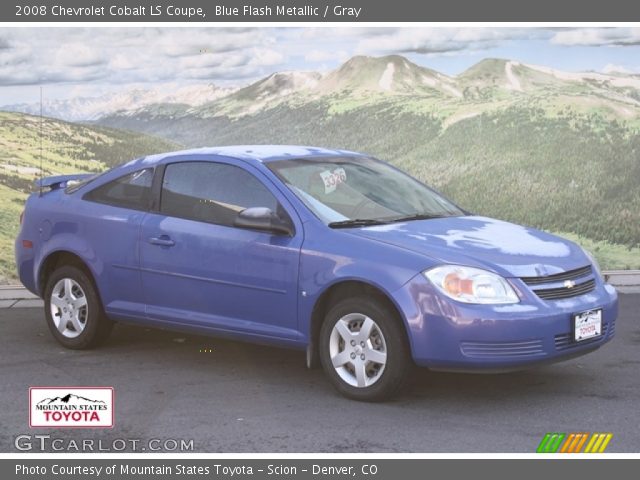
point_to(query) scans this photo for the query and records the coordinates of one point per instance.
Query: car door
(199, 270)
(112, 215)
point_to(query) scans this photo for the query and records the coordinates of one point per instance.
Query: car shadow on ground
(214, 358)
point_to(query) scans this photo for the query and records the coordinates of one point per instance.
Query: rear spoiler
(60, 181)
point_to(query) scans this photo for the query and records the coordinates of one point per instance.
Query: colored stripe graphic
(605, 443)
(573, 442)
(543, 443)
(550, 443)
(581, 442)
(576, 442)
(568, 445)
(598, 443)
(591, 443)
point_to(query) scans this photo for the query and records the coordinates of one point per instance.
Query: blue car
(329, 251)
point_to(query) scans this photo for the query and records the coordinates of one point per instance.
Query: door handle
(162, 240)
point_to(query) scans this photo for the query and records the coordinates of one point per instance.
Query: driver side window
(211, 192)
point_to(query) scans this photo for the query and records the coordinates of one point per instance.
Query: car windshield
(345, 191)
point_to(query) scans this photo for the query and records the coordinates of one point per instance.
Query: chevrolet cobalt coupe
(329, 251)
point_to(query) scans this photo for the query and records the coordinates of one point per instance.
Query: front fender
(330, 257)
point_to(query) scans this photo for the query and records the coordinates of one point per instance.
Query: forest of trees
(570, 172)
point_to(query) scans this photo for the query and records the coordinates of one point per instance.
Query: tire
(76, 320)
(384, 372)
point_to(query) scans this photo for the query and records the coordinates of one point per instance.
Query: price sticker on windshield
(333, 179)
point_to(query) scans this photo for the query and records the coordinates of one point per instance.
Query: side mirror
(262, 218)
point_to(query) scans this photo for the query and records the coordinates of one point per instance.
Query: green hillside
(67, 148)
(527, 143)
(566, 172)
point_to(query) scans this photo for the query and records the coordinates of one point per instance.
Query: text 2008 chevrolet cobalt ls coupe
(330, 251)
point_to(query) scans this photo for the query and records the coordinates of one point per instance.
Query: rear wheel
(73, 310)
(363, 349)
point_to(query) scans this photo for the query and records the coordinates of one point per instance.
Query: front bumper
(449, 335)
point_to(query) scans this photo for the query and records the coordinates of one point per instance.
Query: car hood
(503, 247)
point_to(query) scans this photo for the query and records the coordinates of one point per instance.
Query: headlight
(594, 262)
(471, 285)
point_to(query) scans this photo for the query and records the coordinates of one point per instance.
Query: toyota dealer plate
(587, 325)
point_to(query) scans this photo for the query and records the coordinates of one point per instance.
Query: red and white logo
(71, 407)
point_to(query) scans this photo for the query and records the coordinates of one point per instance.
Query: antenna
(41, 133)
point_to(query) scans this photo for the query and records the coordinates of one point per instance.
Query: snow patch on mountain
(452, 90)
(611, 79)
(514, 82)
(386, 79)
(431, 82)
(92, 108)
(285, 83)
(458, 117)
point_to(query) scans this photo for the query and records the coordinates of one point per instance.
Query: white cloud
(196, 41)
(329, 33)
(598, 37)
(613, 68)
(318, 56)
(266, 57)
(135, 55)
(122, 61)
(77, 55)
(440, 40)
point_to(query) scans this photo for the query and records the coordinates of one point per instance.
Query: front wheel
(363, 349)
(73, 310)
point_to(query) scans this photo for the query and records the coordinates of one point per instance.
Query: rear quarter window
(129, 191)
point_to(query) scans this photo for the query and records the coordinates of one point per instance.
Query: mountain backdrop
(526, 143)
(68, 148)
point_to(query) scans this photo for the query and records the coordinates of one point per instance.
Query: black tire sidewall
(97, 325)
(398, 352)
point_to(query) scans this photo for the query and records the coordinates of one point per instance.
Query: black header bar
(318, 11)
(310, 469)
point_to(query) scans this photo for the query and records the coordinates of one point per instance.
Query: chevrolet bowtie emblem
(569, 284)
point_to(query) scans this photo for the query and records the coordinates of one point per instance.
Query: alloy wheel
(358, 350)
(69, 307)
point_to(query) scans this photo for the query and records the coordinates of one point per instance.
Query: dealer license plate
(587, 325)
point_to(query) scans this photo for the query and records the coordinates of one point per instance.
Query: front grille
(502, 349)
(559, 277)
(565, 292)
(560, 292)
(564, 341)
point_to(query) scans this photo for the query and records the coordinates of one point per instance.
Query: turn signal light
(456, 286)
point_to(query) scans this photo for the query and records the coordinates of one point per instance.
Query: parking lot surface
(235, 397)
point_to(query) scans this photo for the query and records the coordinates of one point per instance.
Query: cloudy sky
(72, 62)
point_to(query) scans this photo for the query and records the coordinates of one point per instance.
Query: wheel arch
(337, 291)
(58, 258)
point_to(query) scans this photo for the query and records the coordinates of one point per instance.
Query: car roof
(252, 153)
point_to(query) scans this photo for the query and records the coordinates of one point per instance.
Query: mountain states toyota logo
(71, 407)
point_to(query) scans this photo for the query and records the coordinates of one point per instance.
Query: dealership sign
(71, 407)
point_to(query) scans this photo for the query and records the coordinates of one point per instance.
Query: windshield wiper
(357, 222)
(417, 216)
